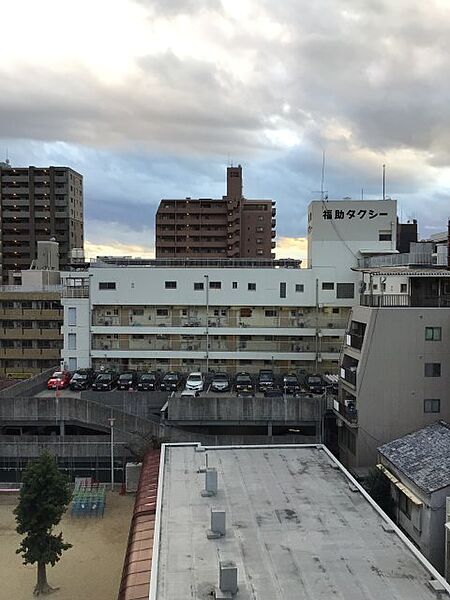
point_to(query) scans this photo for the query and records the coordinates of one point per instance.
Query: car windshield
(126, 376)
(81, 376)
(290, 380)
(147, 378)
(57, 375)
(265, 377)
(195, 377)
(243, 379)
(221, 377)
(171, 377)
(315, 380)
(104, 377)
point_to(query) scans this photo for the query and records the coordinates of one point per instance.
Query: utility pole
(111, 424)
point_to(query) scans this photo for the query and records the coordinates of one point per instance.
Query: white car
(195, 382)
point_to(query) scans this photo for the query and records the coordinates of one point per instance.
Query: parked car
(290, 384)
(59, 380)
(127, 380)
(170, 382)
(195, 381)
(265, 379)
(147, 382)
(105, 381)
(220, 383)
(243, 383)
(82, 379)
(314, 384)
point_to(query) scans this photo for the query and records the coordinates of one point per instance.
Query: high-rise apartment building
(232, 227)
(38, 204)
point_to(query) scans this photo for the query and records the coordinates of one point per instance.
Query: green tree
(43, 499)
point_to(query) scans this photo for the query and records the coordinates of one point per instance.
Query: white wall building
(228, 315)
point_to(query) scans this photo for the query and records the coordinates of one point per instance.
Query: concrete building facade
(232, 227)
(228, 315)
(38, 204)
(394, 375)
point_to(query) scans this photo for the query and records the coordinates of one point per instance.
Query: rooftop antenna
(7, 157)
(384, 182)
(362, 193)
(323, 175)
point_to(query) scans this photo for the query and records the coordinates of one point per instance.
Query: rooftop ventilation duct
(227, 580)
(217, 524)
(210, 482)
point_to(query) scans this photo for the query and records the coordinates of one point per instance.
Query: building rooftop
(423, 456)
(408, 271)
(297, 526)
(235, 263)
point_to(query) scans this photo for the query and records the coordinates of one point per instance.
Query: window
(215, 285)
(170, 285)
(433, 334)
(345, 290)
(299, 287)
(245, 312)
(283, 289)
(71, 316)
(106, 285)
(251, 287)
(271, 313)
(403, 288)
(234, 285)
(198, 285)
(431, 406)
(432, 369)
(138, 312)
(72, 364)
(335, 311)
(327, 285)
(72, 341)
(162, 312)
(384, 236)
(405, 504)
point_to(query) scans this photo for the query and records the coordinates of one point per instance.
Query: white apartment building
(228, 314)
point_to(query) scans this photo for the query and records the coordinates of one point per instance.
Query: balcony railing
(385, 300)
(348, 412)
(354, 340)
(348, 375)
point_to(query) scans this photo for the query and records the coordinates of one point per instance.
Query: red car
(59, 380)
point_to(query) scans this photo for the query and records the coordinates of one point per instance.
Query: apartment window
(215, 285)
(162, 312)
(403, 288)
(245, 312)
(170, 285)
(72, 341)
(106, 285)
(251, 287)
(335, 311)
(72, 363)
(345, 290)
(432, 369)
(283, 289)
(72, 316)
(234, 285)
(432, 405)
(198, 285)
(271, 313)
(138, 312)
(299, 287)
(384, 236)
(405, 504)
(327, 285)
(433, 334)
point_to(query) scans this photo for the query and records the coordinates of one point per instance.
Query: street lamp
(111, 424)
(207, 322)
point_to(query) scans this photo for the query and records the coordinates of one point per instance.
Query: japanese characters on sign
(329, 214)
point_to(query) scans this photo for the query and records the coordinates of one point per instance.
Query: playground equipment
(89, 500)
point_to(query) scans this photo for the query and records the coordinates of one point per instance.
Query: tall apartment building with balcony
(232, 227)
(395, 362)
(38, 204)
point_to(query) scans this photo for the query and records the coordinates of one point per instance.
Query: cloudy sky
(152, 98)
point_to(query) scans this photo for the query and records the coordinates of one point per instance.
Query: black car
(170, 382)
(314, 384)
(147, 382)
(265, 380)
(105, 381)
(291, 384)
(243, 383)
(127, 380)
(82, 379)
(220, 383)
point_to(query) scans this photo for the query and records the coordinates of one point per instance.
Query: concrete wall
(29, 387)
(245, 410)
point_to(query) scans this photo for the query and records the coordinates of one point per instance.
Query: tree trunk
(42, 586)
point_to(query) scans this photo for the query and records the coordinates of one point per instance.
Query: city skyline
(160, 98)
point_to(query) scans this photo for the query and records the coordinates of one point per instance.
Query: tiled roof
(135, 583)
(423, 456)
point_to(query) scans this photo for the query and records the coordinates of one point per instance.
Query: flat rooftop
(297, 526)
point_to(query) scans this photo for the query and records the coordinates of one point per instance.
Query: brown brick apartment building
(232, 227)
(37, 204)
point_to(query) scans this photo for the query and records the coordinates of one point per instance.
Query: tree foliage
(44, 497)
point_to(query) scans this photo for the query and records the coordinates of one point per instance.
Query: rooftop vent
(217, 524)
(210, 482)
(227, 580)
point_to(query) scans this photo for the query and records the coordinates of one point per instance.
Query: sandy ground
(91, 570)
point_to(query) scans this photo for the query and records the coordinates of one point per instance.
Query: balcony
(348, 374)
(354, 340)
(347, 411)
(385, 300)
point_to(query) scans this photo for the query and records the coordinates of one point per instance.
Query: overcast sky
(152, 98)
